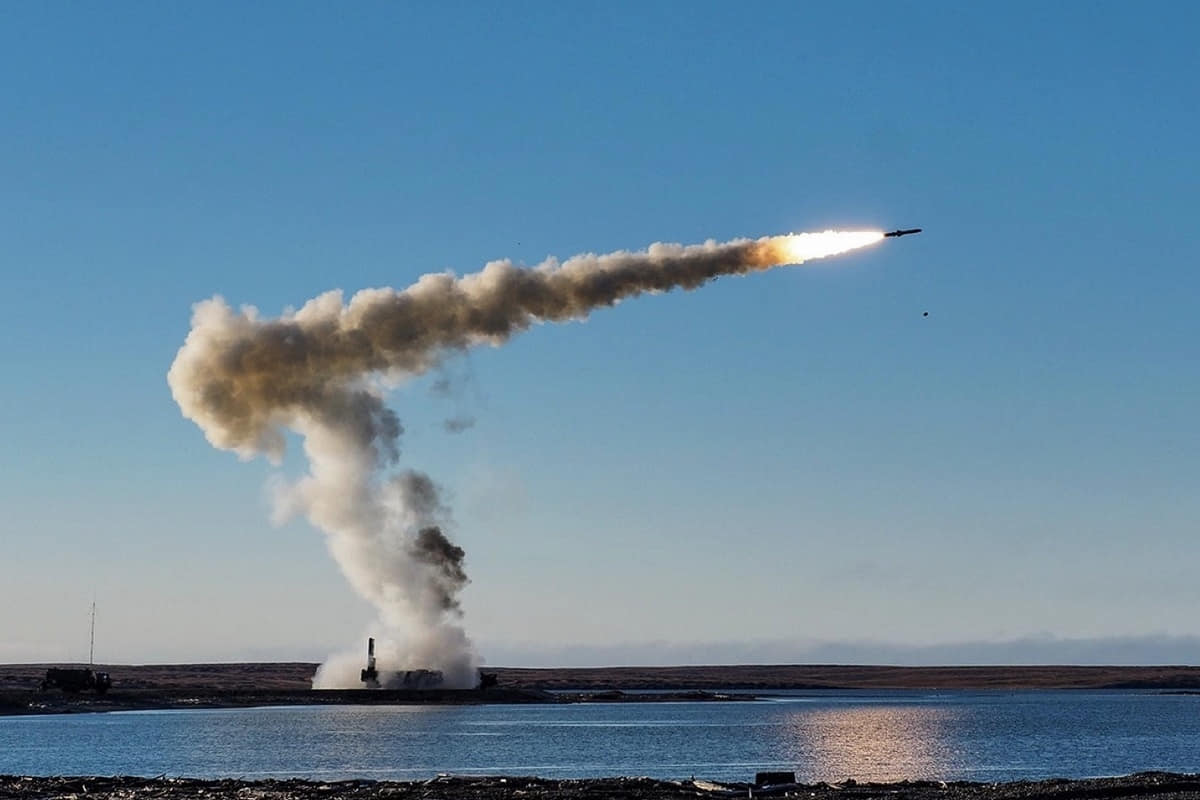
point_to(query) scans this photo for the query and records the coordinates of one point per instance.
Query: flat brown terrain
(765, 677)
(297, 676)
(285, 676)
(184, 686)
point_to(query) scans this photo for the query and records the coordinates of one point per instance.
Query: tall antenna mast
(92, 643)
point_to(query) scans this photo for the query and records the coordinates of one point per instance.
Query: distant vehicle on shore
(76, 680)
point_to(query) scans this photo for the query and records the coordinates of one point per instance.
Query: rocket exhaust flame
(244, 379)
(808, 246)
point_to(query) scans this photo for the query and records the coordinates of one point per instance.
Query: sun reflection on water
(873, 744)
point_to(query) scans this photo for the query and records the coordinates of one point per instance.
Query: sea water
(828, 736)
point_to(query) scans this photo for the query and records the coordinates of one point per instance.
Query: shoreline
(248, 685)
(26, 702)
(1147, 785)
(297, 676)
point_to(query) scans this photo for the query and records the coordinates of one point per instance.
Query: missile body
(903, 233)
(370, 675)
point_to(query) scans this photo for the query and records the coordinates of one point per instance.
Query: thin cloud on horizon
(1031, 650)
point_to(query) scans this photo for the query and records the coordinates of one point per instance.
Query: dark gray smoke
(458, 424)
(433, 548)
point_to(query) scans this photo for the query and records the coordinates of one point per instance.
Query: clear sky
(793, 465)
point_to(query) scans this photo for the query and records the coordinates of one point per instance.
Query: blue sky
(793, 460)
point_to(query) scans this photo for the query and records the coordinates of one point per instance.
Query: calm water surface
(822, 736)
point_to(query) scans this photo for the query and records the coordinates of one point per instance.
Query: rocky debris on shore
(1145, 786)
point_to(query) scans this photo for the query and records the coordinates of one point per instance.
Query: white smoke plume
(244, 380)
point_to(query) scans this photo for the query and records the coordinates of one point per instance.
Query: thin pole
(92, 643)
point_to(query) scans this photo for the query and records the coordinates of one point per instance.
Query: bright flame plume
(803, 247)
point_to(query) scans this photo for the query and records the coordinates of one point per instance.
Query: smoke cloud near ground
(319, 372)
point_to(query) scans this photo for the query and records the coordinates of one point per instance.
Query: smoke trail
(244, 380)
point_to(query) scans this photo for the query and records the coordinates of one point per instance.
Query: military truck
(76, 680)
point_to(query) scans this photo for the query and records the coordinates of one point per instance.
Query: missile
(903, 233)
(370, 675)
